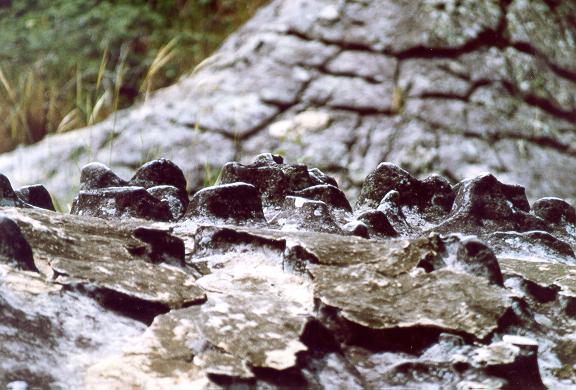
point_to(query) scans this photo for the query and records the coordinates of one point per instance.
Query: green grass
(65, 64)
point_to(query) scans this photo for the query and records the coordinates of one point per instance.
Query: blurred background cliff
(66, 64)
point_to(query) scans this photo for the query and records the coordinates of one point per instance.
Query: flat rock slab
(255, 314)
(43, 326)
(254, 317)
(441, 299)
(157, 359)
(103, 255)
(332, 249)
(562, 276)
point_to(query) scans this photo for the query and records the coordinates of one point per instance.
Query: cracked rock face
(255, 286)
(436, 86)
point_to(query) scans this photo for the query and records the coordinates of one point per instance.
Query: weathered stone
(8, 197)
(97, 175)
(478, 259)
(164, 247)
(158, 173)
(392, 209)
(450, 87)
(377, 223)
(454, 302)
(43, 326)
(119, 265)
(36, 195)
(329, 194)
(177, 199)
(357, 228)
(545, 274)
(328, 249)
(268, 307)
(14, 248)
(236, 202)
(554, 210)
(531, 246)
(484, 204)
(433, 196)
(455, 87)
(158, 358)
(267, 336)
(275, 180)
(514, 360)
(305, 214)
(120, 202)
(438, 193)
(140, 290)
(387, 177)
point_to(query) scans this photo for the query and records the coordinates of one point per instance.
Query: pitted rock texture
(453, 87)
(258, 287)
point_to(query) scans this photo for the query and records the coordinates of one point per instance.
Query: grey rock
(453, 88)
(544, 274)
(357, 228)
(484, 204)
(121, 202)
(478, 259)
(510, 358)
(377, 223)
(8, 198)
(321, 299)
(275, 180)
(535, 245)
(554, 210)
(237, 202)
(370, 294)
(14, 248)
(457, 88)
(157, 173)
(434, 195)
(176, 198)
(36, 195)
(123, 267)
(44, 325)
(327, 193)
(305, 214)
(97, 175)
(163, 247)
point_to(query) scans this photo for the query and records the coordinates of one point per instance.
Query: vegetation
(65, 64)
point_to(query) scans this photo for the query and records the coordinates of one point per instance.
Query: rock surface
(453, 87)
(228, 295)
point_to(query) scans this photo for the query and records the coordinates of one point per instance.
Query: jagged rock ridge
(461, 286)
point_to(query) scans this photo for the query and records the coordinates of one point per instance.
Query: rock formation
(452, 87)
(271, 279)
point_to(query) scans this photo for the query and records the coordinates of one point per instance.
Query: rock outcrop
(276, 282)
(437, 86)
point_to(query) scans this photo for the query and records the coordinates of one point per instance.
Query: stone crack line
(495, 137)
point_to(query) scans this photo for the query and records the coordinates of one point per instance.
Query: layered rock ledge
(271, 278)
